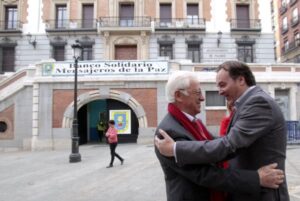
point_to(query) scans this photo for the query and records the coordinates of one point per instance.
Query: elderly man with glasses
(206, 181)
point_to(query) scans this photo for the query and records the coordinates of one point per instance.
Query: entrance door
(90, 114)
(133, 121)
(96, 112)
(82, 125)
(126, 52)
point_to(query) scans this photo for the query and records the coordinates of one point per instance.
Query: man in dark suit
(198, 182)
(256, 135)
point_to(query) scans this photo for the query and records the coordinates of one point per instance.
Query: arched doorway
(105, 109)
(116, 99)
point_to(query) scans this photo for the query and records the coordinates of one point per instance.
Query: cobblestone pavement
(48, 175)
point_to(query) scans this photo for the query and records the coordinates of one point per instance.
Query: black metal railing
(249, 24)
(125, 22)
(284, 29)
(293, 132)
(282, 9)
(67, 24)
(295, 20)
(292, 45)
(10, 25)
(292, 2)
(179, 23)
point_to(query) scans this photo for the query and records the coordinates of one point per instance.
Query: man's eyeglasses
(195, 92)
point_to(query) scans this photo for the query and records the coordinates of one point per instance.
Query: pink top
(112, 135)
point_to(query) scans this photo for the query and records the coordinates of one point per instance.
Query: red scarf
(200, 133)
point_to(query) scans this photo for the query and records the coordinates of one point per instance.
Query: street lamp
(219, 38)
(75, 155)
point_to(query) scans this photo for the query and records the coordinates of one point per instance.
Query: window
(166, 50)
(87, 53)
(245, 53)
(11, 17)
(295, 17)
(61, 16)
(194, 52)
(213, 99)
(284, 3)
(283, 100)
(126, 15)
(242, 16)
(8, 59)
(284, 24)
(297, 39)
(165, 13)
(59, 53)
(87, 16)
(192, 13)
(286, 44)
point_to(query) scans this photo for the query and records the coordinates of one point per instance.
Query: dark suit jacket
(191, 182)
(256, 136)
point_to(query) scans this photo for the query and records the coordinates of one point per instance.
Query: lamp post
(219, 38)
(75, 155)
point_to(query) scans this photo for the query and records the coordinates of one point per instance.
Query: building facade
(129, 49)
(287, 30)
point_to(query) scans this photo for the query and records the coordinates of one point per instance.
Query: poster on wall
(122, 120)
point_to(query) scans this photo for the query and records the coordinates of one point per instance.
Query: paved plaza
(48, 175)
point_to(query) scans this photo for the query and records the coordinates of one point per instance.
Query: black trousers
(100, 135)
(113, 153)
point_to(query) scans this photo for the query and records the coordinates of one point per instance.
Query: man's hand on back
(270, 177)
(164, 144)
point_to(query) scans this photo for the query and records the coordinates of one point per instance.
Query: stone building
(129, 49)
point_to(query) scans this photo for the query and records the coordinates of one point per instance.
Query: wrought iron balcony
(66, 25)
(245, 25)
(295, 21)
(191, 23)
(130, 22)
(283, 9)
(284, 29)
(295, 44)
(11, 26)
(292, 2)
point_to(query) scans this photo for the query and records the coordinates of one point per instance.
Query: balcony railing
(295, 21)
(124, 22)
(78, 24)
(245, 25)
(292, 2)
(283, 9)
(284, 29)
(292, 46)
(293, 132)
(180, 23)
(10, 26)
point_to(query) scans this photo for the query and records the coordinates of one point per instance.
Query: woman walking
(111, 134)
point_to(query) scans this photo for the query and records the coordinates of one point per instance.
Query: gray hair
(179, 80)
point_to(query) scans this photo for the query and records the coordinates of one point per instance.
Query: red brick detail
(281, 69)
(148, 99)
(7, 116)
(61, 99)
(214, 117)
(258, 69)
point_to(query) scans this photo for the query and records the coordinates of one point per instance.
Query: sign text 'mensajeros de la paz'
(105, 68)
